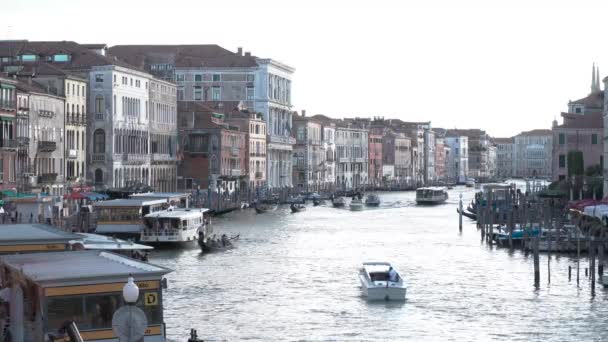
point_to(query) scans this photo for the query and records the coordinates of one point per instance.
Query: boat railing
(161, 232)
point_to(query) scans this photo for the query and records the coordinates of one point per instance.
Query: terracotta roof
(574, 120)
(212, 55)
(593, 100)
(95, 46)
(536, 132)
(475, 132)
(46, 69)
(33, 87)
(504, 140)
(81, 57)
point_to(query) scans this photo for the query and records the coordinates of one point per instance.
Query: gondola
(338, 202)
(318, 201)
(466, 214)
(296, 208)
(265, 207)
(217, 245)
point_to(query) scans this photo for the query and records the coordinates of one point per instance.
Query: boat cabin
(431, 195)
(176, 225)
(175, 199)
(123, 217)
(45, 290)
(32, 238)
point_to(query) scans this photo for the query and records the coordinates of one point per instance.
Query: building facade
(375, 159)
(162, 114)
(329, 145)
(214, 152)
(440, 158)
(211, 73)
(46, 148)
(8, 147)
(584, 133)
(308, 154)
(533, 154)
(255, 126)
(505, 160)
(458, 157)
(352, 156)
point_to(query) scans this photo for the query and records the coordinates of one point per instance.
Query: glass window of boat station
(95, 311)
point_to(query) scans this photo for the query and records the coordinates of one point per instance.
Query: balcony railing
(235, 172)
(162, 157)
(72, 154)
(98, 157)
(46, 113)
(8, 144)
(277, 139)
(47, 178)
(234, 151)
(259, 174)
(23, 141)
(138, 159)
(257, 154)
(99, 116)
(47, 146)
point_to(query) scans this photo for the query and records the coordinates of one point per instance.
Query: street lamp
(129, 322)
(130, 292)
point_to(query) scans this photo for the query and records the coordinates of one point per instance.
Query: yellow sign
(151, 299)
(97, 288)
(33, 248)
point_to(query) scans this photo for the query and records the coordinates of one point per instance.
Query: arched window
(99, 141)
(98, 176)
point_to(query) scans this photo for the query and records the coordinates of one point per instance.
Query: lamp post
(129, 322)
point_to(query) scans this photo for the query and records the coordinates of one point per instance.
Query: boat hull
(378, 293)
(430, 202)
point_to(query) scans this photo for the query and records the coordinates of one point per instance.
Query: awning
(94, 196)
(119, 228)
(74, 196)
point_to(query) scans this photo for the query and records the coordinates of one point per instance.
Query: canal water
(294, 277)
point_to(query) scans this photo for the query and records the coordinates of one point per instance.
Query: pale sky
(504, 67)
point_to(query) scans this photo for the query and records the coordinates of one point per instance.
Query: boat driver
(392, 275)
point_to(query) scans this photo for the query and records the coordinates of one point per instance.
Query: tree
(576, 165)
(593, 171)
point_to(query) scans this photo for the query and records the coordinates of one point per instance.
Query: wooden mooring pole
(460, 214)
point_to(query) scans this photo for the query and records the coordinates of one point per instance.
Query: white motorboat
(431, 195)
(375, 283)
(356, 205)
(176, 226)
(470, 182)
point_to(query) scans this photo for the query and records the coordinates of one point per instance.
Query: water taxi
(377, 285)
(124, 217)
(338, 202)
(296, 208)
(432, 195)
(176, 226)
(372, 200)
(356, 205)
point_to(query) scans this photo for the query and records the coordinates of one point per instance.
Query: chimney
(239, 51)
(303, 113)
(247, 54)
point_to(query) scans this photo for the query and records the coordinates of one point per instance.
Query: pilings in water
(510, 218)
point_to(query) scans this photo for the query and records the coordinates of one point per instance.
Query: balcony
(162, 157)
(47, 178)
(99, 117)
(8, 144)
(47, 146)
(46, 113)
(23, 141)
(234, 151)
(72, 154)
(278, 139)
(98, 157)
(235, 172)
(259, 174)
(135, 159)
